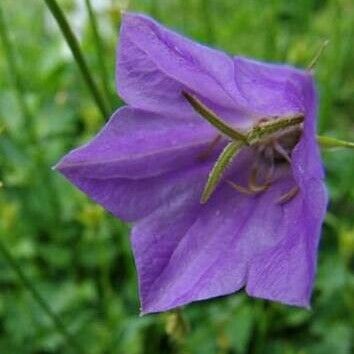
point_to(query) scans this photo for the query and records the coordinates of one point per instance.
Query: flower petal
(285, 273)
(144, 167)
(307, 162)
(132, 199)
(135, 144)
(187, 252)
(156, 64)
(269, 89)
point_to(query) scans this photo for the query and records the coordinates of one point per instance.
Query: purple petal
(136, 144)
(131, 199)
(134, 164)
(286, 272)
(269, 89)
(200, 252)
(187, 252)
(156, 64)
(144, 167)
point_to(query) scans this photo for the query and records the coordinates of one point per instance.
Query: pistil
(267, 137)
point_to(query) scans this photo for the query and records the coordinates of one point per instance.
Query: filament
(239, 188)
(281, 151)
(204, 155)
(286, 197)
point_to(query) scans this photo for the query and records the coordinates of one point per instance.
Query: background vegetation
(77, 257)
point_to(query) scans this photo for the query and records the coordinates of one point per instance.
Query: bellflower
(201, 229)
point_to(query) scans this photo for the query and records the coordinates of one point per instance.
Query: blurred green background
(78, 257)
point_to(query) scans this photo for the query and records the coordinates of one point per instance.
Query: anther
(253, 185)
(271, 167)
(208, 151)
(281, 151)
(239, 188)
(286, 197)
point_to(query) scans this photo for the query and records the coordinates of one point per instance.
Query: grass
(78, 257)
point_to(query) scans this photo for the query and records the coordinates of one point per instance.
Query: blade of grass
(207, 20)
(73, 44)
(28, 118)
(59, 325)
(332, 143)
(99, 50)
(318, 54)
(154, 8)
(15, 77)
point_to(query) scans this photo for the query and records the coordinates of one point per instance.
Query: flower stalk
(15, 78)
(59, 325)
(328, 142)
(73, 44)
(177, 328)
(318, 54)
(99, 50)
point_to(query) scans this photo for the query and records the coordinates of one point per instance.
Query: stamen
(286, 197)
(239, 188)
(271, 168)
(253, 185)
(279, 149)
(206, 154)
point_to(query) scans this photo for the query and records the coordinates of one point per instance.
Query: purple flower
(150, 163)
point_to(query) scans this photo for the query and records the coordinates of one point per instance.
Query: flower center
(271, 154)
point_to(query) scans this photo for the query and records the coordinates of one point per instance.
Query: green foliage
(78, 256)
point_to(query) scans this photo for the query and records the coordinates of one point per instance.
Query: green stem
(329, 142)
(258, 340)
(99, 49)
(177, 329)
(80, 60)
(317, 55)
(154, 8)
(207, 20)
(15, 78)
(38, 298)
